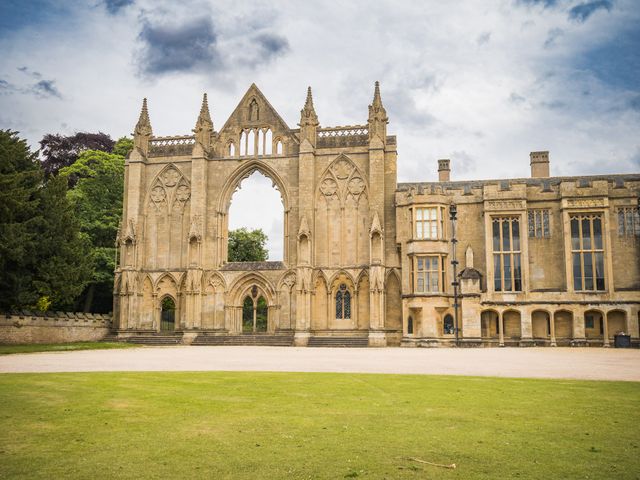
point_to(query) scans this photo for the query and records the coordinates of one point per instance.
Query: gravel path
(576, 363)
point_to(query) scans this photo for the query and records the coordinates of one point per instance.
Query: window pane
(347, 304)
(515, 231)
(420, 263)
(597, 233)
(434, 263)
(434, 229)
(496, 236)
(588, 271)
(577, 272)
(418, 229)
(586, 234)
(621, 226)
(432, 214)
(506, 243)
(506, 259)
(575, 234)
(517, 276)
(418, 214)
(530, 218)
(339, 304)
(538, 224)
(599, 271)
(420, 282)
(434, 281)
(496, 273)
(545, 223)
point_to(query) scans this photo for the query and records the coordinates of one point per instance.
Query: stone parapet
(53, 327)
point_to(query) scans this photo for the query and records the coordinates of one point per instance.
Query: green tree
(97, 198)
(123, 146)
(247, 246)
(43, 258)
(20, 179)
(64, 255)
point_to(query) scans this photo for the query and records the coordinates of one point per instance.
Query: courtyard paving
(569, 363)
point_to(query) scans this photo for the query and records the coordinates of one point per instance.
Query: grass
(61, 347)
(312, 425)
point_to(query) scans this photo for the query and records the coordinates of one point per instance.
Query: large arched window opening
(255, 313)
(447, 325)
(257, 204)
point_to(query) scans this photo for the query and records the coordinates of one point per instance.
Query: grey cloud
(544, 3)
(272, 44)
(45, 89)
(483, 38)
(580, 13)
(634, 103)
(516, 98)
(185, 47)
(41, 89)
(552, 36)
(31, 73)
(462, 162)
(114, 6)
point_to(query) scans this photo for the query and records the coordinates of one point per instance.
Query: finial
(309, 102)
(204, 119)
(308, 113)
(143, 127)
(377, 101)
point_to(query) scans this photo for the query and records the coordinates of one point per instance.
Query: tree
(123, 146)
(43, 258)
(97, 199)
(64, 260)
(60, 151)
(20, 179)
(247, 246)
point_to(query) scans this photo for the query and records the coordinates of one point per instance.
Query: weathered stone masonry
(363, 255)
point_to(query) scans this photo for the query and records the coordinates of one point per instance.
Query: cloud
(184, 47)
(615, 61)
(114, 6)
(580, 13)
(41, 89)
(45, 89)
(544, 3)
(552, 36)
(272, 44)
(29, 72)
(483, 38)
(516, 98)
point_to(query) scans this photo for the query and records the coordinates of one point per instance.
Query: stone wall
(53, 327)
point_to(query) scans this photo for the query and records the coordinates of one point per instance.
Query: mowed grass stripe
(314, 425)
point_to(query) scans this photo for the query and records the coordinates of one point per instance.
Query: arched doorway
(489, 324)
(593, 324)
(255, 314)
(168, 315)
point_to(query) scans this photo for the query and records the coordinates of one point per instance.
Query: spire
(308, 120)
(204, 128)
(308, 115)
(142, 133)
(376, 109)
(204, 119)
(143, 127)
(377, 117)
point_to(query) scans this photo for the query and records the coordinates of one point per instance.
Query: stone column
(552, 328)
(605, 331)
(501, 329)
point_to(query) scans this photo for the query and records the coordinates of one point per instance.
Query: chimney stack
(539, 164)
(444, 170)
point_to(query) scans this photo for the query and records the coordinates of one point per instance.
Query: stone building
(542, 260)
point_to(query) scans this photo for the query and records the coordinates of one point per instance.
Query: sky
(482, 83)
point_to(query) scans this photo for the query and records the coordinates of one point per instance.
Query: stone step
(260, 340)
(156, 339)
(340, 342)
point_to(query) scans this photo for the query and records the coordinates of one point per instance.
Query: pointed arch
(245, 170)
(242, 285)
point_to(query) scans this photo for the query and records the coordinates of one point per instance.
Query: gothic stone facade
(543, 260)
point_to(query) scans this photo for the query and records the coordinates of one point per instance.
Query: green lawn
(310, 425)
(61, 347)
